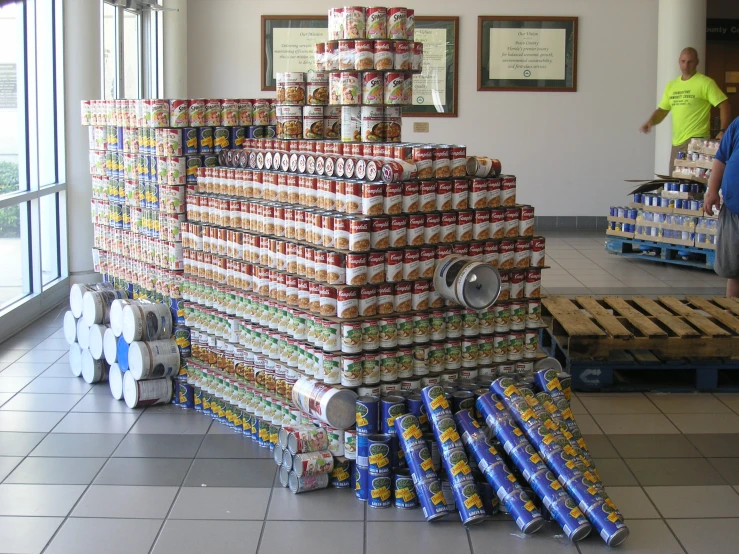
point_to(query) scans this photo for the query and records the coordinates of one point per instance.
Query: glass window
(15, 282)
(131, 54)
(49, 219)
(110, 58)
(12, 101)
(46, 96)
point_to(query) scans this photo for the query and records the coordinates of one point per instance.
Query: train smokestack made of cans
(474, 285)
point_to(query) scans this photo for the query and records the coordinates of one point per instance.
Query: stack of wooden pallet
(614, 343)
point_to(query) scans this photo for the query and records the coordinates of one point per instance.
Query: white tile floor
(580, 265)
(81, 473)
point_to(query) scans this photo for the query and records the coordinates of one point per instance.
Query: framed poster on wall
(527, 53)
(435, 89)
(287, 44)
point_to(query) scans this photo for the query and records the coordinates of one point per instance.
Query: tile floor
(580, 265)
(81, 473)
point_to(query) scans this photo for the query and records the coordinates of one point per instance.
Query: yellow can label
(423, 418)
(576, 513)
(511, 477)
(380, 460)
(438, 498)
(461, 467)
(450, 435)
(555, 485)
(549, 424)
(613, 518)
(405, 494)
(340, 474)
(535, 459)
(547, 439)
(528, 414)
(554, 384)
(473, 500)
(427, 464)
(530, 507)
(382, 494)
(510, 390)
(361, 421)
(414, 432)
(517, 432)
(439, 402)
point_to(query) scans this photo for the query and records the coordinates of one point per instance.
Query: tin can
(608, 525)
(367, 414)
(569, 517)
(307, 483)
(431, 499)
(524, 512)
(390, 408)
(393, 88)
(341, 476)
(380, 491)
(404, 490)
(350, 444)
(379, 454)
(361, 482)
(397, 19)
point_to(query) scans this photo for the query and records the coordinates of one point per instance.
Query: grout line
(87, 488)
(266, 513)
(364, 523)
(179, 490)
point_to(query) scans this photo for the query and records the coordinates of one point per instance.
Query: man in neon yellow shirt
(689, 98)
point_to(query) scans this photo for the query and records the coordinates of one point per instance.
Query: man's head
(688, 61)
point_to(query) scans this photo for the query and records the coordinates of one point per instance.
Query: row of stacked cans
(172, 170)
(166, 141)
(179, 113)
(139, 254)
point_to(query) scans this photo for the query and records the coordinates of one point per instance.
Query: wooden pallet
(702, 258)
(670, 328)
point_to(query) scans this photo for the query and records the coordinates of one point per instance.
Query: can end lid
(618, 537)
(130, 390)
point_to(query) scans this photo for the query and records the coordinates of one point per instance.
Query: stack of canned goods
(622, 212)
(303, 457)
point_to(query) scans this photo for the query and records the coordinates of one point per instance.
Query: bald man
(689, 98)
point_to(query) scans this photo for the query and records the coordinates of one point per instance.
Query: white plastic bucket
(110, 348)
(93, 371)
(96, 305)
(116, 314)
(146, 322)
(83, 334)
(138, 394)
(70, 327)
(75, 359)
(474, 285)
(115, 380)
(97, 332)
(153, 360)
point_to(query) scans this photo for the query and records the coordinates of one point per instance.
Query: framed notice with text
(288, 42)
(435, 89)
(527, 53)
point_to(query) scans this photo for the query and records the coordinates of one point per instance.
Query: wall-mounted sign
(722, 30)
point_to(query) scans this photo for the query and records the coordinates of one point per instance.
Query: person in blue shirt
(725, 176)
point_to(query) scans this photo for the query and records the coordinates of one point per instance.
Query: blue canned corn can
(380, 491)
(404, 490)
(420, 463)
(570, 518)
(457, 465)
(547, 487)
(182, 338)
(198, 399)
(409, 430)
(390, 408)
(205, 140)
(584, 492)
(527, 460)
(470, 429)
(367, 418)
(463, 400)
(437, 405)
(490, 501)
(185, 395)
(469, 502)
(221, 139)
(510, 435)
(609, 526)
(341, 476)
(612, 211)
(524, 512)
(379, 454)
(363, 450)
(189, 140)
(638, 198)
(445, 431)
(431, 499)
(565, 466)
(501, 479)
(361, 482)
(416, 407)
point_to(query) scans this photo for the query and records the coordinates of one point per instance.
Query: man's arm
(725, 113)
(655, 119)
(711, 198)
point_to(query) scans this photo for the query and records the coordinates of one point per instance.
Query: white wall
(570, 151)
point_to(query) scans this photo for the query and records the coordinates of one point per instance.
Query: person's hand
(711, 200)
(720, 135)
(645, 128)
